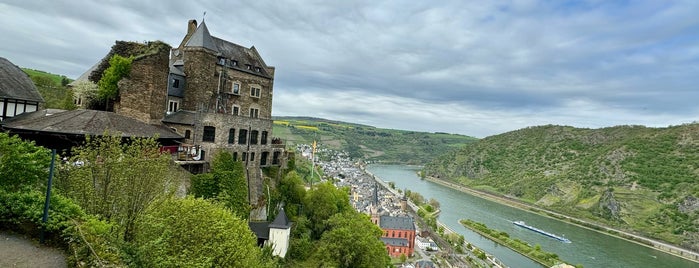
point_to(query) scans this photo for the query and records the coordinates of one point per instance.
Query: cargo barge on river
(524, 225)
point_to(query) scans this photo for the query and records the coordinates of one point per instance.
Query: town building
(398, 231)
(398, 235)
(17, 91)
(426, 243)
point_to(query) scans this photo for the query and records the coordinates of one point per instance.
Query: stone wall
(143, 94)
(204, 86)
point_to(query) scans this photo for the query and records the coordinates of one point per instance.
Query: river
(589, 248)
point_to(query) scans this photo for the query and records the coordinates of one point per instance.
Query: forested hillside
(629, 177)
(367, 142)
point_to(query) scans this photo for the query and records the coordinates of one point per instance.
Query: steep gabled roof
(86, 75)
(281, 221)
(396, 223)
(244, 56)
(201, 38)
(15, 84)
(88, 122)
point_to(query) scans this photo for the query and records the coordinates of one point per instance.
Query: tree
(22, 164)
(86, 90)
(322, 202)
(434, 203)
(352, 241)
(226, 183)
(119, 67)
(194, 232)
(292, 192)
(118, 180)
(403, 258)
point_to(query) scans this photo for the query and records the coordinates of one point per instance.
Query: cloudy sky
(477, 68)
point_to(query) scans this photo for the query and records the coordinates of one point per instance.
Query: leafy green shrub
(88, 239)
(194, 232)
(22, 164)
(24, 210)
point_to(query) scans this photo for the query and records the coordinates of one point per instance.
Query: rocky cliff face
(609, 207)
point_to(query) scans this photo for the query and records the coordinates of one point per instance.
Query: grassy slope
(629, 177)
(51, 88)
(367, 142)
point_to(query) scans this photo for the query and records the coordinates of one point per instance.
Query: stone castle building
(217, 95)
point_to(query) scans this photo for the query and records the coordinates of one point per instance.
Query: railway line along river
(588, 247)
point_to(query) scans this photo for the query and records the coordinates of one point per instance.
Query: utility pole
(48, 194)
(313, 161)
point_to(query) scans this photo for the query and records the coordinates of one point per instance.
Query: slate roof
(176, 70)
(396, 223)
(400, 242)
(87, 122)
(201, 38)
(244, 56)
(86, 75)
(181, 117)
(260, 228)
(281, 221)
(15, 84)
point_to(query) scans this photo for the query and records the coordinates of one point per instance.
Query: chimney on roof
(191, 27)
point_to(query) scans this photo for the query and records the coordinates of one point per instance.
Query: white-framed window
(254, 113)
(172, 106)
(235, 88)
(255, 91)
(235, 110)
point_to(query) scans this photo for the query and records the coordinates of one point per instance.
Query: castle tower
(279, 232)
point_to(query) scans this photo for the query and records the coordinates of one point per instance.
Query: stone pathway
(19, 251)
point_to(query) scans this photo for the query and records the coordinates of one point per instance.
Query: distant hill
(52, 88)
(56, 78)
(368, 142)
(630, 177)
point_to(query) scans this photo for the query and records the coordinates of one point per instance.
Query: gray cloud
(472, 68)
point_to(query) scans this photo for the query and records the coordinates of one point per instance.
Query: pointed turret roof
(281, 221)
(202, 38)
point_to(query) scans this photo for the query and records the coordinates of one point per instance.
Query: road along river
(588, 247)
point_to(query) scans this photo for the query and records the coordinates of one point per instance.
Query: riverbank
(546, 259)
(644, 241)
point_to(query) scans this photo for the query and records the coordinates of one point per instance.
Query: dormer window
(248, 66)
(234, 63)
(222, 61)
(257, 69)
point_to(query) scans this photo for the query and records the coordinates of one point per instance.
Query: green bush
(88, 239)
(194, 232)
